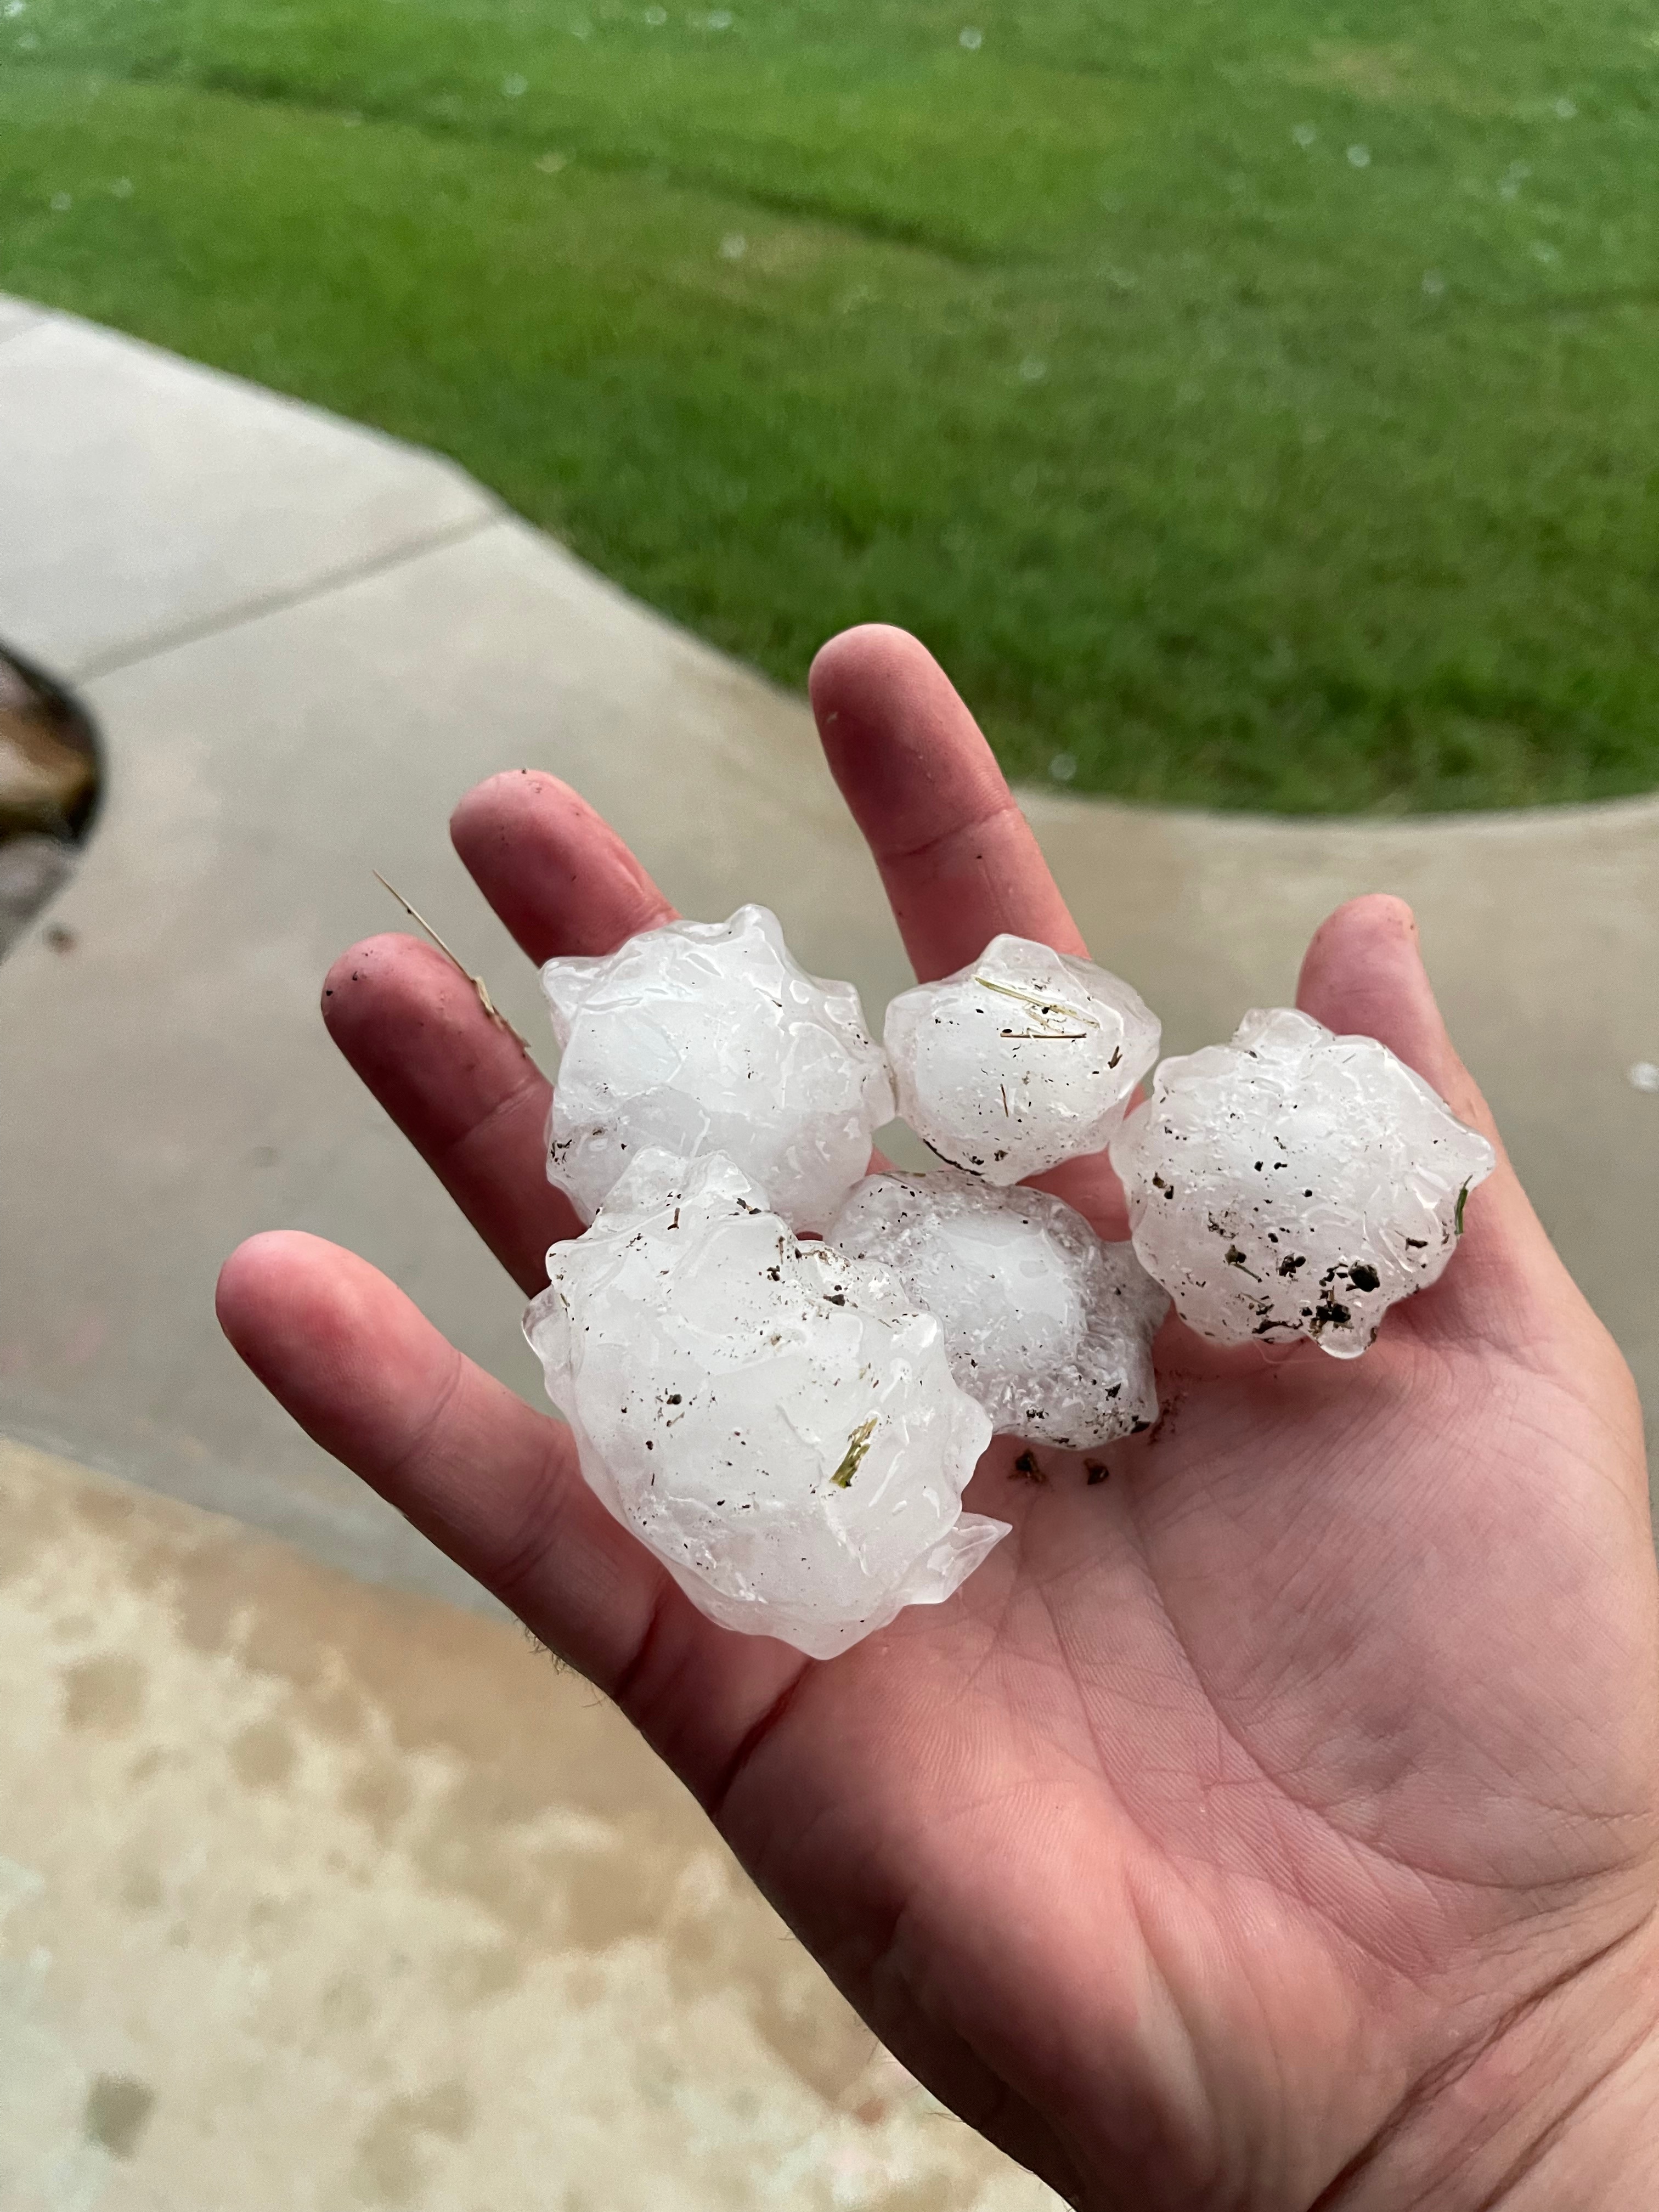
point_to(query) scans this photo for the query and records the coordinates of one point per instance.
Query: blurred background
(1257, 408)
(1253, 406)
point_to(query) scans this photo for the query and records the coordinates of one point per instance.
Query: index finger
(958, 859)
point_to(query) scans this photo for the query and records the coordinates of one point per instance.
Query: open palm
(1273, 1823)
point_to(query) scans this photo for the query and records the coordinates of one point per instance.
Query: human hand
(1275, 1824)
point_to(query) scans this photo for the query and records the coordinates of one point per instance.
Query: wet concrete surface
(319, 1896)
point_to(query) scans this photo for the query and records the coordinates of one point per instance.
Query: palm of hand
(1236, 1800)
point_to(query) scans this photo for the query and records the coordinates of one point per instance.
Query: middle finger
(959, 860)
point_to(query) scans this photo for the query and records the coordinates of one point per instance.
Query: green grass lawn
(1254, 405)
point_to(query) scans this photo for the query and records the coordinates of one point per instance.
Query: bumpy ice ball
(1295, 1183)
(1025, 1058)
(776, 1420)
(1047, 1326)
(708, 1036)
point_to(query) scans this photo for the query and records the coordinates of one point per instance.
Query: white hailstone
(1024, 1058)
(707, 1036)
(776, 1420)
(1295, 1183)
(1048, 1327)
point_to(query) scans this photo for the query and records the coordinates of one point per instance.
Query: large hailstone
(1025, 1058)
(1295, 1183)
(707, 1036)
(1048, 1327)
(776, 1420)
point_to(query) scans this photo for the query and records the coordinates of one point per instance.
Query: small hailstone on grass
(1024, 1058)
(776, 1420)
(708, 1036)
(1295, 1183)
(1047, 1326)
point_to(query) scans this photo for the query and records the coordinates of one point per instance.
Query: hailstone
(1025, 1058)
(1048, 1327)
(708, 1036)
(1295, 1183)
(777, 1421)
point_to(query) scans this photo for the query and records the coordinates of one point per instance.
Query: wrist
(1557, 2109)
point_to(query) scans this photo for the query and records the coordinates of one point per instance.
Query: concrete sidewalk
(312, 1893)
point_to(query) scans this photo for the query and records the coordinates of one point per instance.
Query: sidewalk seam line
(123, 658)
